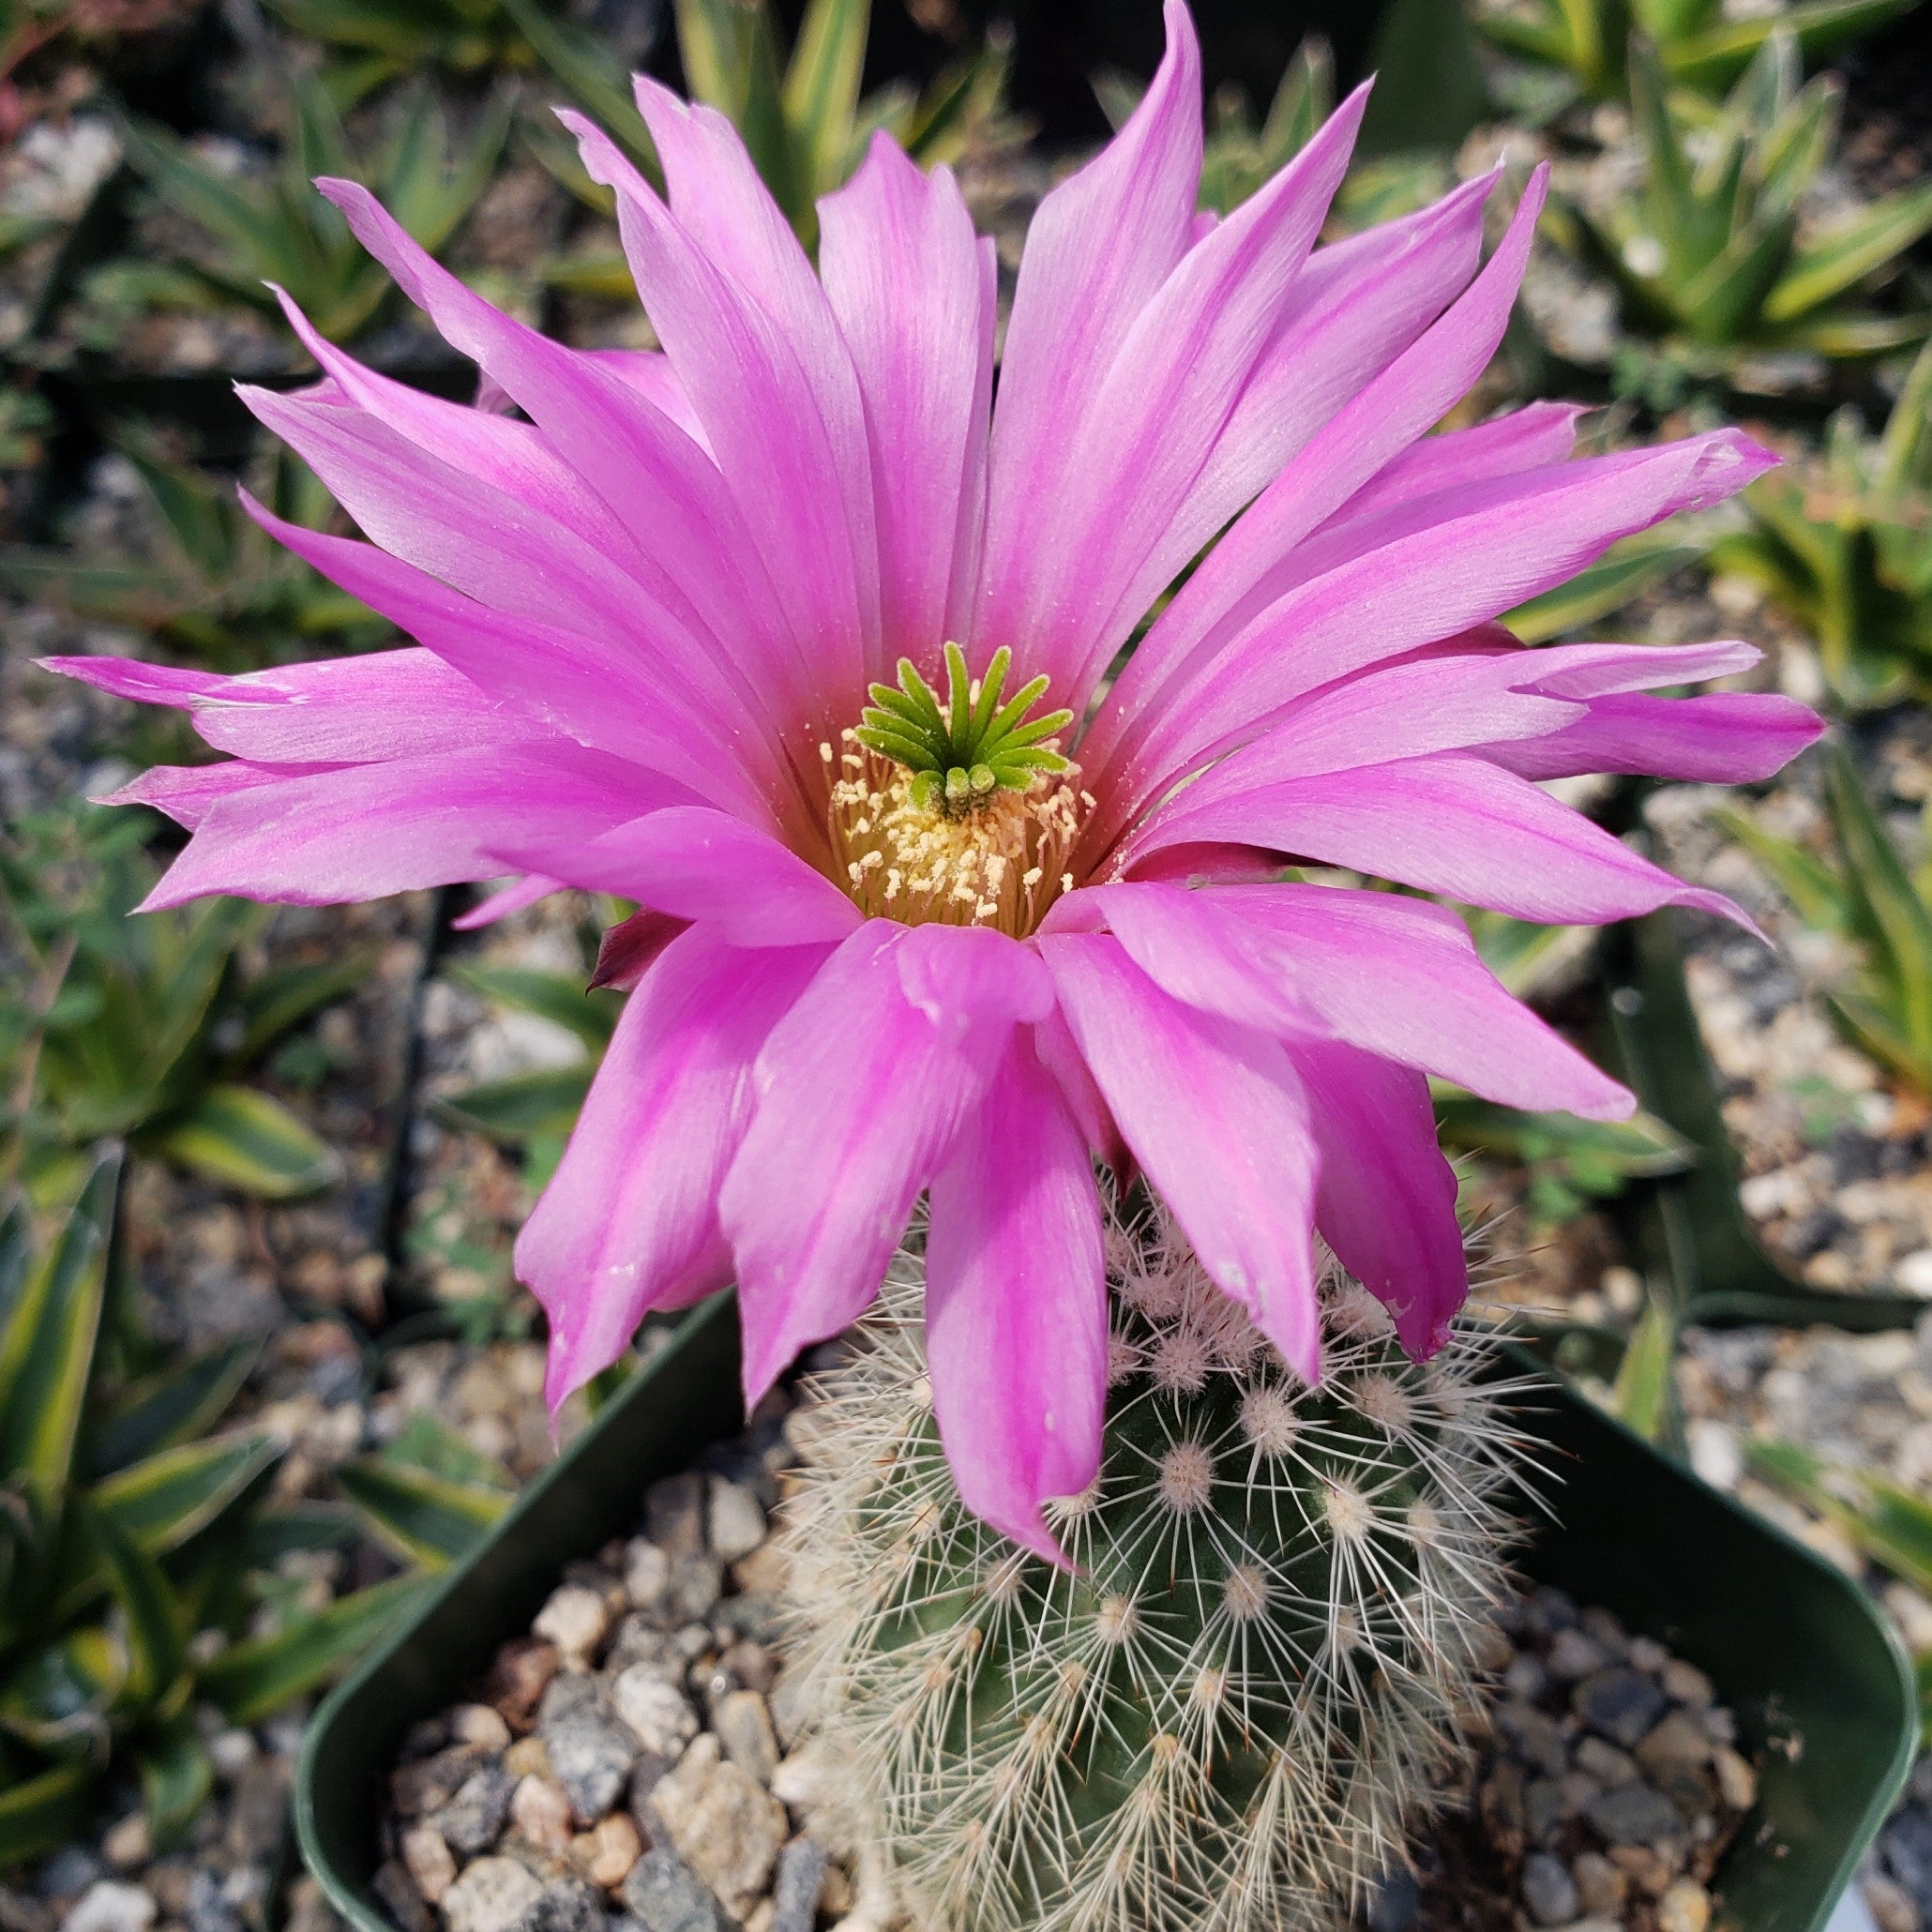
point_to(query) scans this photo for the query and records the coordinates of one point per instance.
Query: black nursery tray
(1823, 1696)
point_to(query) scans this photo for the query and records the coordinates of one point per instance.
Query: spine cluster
(1226, 1717)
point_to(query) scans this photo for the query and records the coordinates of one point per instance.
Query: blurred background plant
(1863, 895)
(213, 588)
(144, 1030)
(138, 1540)
(1719, 253)
(1579, 50)
(1841, 542)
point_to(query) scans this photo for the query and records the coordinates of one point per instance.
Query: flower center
(964, 813)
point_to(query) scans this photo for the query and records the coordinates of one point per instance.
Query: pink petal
(1098, 248)
(188, 792)
(1355, 306)
(629, 1221)
(1396, 976)
(592, 689)
(650, 373)
(1216, 1116)
(859, 1095)
(1525, 439)
(340, 710)
(1721, 738)
(1406, 711)
(1456, 825)
(367, 830)
(1108, 536)
(914, 291)
(1016, 1305)
(516, 897)
(1053, 1042)
(1488, 548)
(664, 488)
(801, 477)
(173, 685)
(697, 864)
(1386, 1202)
(515, 458)
(1239, 580)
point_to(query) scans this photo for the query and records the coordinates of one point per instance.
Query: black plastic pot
(1823, 1696)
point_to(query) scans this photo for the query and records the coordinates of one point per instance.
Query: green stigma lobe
(964, 750)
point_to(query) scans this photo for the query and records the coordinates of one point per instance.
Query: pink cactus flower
(806, 640)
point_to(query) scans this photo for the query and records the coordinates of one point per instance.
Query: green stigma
(963, 752)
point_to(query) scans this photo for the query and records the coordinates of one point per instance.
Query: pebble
(722, 1822)
(1635, 1815)
(1549, 1893)
(646, 1573)
(674, 1513)
(519, 1677)
(1620, 1704)
(1685, 1907)
(1533, 1736)
(744, 1727)
(591, 1753)
(735, 1520)
(109, 1905)
(697, 1583)
(575, 1619)
(799, 1882)
(566, 1905)
(540, 1810)
(480, 1725)
(491, 1896)
(472, 1820)
(431, 1864)
(666, 1896)
(655, 1710)
(1685, 1684)
(128, 1843)
(1600, 1886)
(1574, 1655)
(615, 1848)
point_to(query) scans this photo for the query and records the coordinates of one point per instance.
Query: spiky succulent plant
(1225, 1715)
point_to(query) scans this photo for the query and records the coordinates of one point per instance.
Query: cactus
(1227, 1714)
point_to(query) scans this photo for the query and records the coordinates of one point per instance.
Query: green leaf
(425, 1518)
(427, 1442)
(595, 81)
(1710, 60)
(1640, 1148)
(821, 94)
(41, 1814)
(553, 996)
(58, 1697)
(282, 998)
(242, 1138)
(175, 1493)
(176, 1778)
(1801, 876)
(1893, 1525)
(524, 1105)
(1623, 572)
(1848, 253)
(254, 1680)
(1886, 911)
(47, 1348)
(1645, 1392)
(153, 1630)
(182, 1400)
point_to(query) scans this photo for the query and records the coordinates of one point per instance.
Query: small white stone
(1913, 1273)
(480, 1726)
(646, 1573)
(575, 1619)
(540, 1812)
(108, 1906)
(655, 1710)
(736, 1520)
(1714, 1454)
(493, 1895)
(129, 1844)
(231, 1751)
